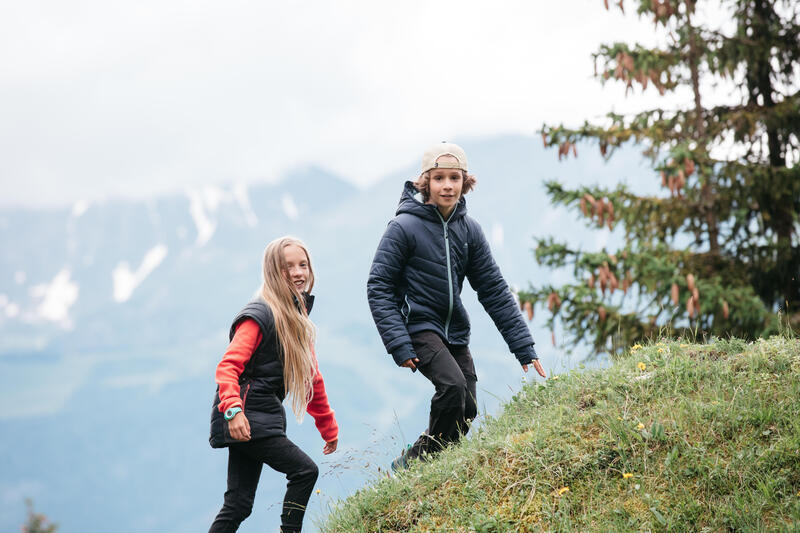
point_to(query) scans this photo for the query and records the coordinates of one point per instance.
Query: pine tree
(718, 251)
(37, 522)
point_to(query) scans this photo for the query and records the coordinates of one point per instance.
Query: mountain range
(114, 315)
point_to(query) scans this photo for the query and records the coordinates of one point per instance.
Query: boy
(414, 289)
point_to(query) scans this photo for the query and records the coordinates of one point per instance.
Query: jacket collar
(309, 299)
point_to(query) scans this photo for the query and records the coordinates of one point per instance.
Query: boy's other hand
(538, 366)
(239, 427)
(409, 363)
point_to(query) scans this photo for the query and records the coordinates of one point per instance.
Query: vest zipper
(244, 399)
(449, 275)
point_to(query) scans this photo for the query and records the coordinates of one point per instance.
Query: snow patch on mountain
(7, 307)
(126, 281)
(199, 211)
(56, 297)
(240, 194)
(205, 203)
(289, 207)
(79, 208)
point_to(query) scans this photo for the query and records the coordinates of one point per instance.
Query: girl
(414, 289)
(271, 354)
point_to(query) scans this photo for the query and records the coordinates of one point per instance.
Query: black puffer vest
(261, 383)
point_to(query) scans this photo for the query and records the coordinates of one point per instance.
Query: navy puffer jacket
(416, 279)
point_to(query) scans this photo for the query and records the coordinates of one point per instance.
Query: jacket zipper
(408, 315)
(449, 275)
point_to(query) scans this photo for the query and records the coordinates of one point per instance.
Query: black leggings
(245, 461)
(451, 370)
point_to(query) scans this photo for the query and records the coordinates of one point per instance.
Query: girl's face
(445, 186)
(297, 269)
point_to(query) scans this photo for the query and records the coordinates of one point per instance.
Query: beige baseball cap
(444, 148)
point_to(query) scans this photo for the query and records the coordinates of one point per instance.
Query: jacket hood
(411, 202)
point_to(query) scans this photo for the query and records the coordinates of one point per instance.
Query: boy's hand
(330, 446)
(538, 366)
(239, 427)
(409, 363)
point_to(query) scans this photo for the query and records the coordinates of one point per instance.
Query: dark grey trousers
(451, 370)
(245, 461)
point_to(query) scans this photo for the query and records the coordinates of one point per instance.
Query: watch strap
(231, 412)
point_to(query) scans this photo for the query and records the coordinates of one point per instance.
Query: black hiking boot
(401, 461)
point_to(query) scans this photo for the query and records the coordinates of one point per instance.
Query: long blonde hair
(294, 329)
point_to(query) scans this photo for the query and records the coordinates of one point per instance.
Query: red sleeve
(245, 341)
(320, 409)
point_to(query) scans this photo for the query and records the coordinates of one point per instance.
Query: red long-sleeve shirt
(245, 340)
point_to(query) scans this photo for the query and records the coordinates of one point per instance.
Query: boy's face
(445, 185)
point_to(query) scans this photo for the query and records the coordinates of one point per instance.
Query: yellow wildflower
(619, 418)
(318, 491)
(641, 366)
(563, 490)
(661, 350)
(640, 426)
(554, 376)
(627, 475)
(684, 345)
(636, 347)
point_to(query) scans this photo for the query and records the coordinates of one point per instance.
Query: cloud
(242, 91)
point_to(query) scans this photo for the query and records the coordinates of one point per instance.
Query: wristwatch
(231, 412)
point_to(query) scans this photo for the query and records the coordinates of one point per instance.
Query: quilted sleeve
(384, 276)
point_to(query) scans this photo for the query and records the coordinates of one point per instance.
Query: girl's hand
(409, 363)
(330, 446)
(239, 427)
(538, 366)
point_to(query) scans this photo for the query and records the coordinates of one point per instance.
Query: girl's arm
(320, 409)
(495, 296)
(245, 341)
(390, 260)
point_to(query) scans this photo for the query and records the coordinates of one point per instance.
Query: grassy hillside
(672, 437)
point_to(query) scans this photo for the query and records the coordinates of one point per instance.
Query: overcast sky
(103, 98)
